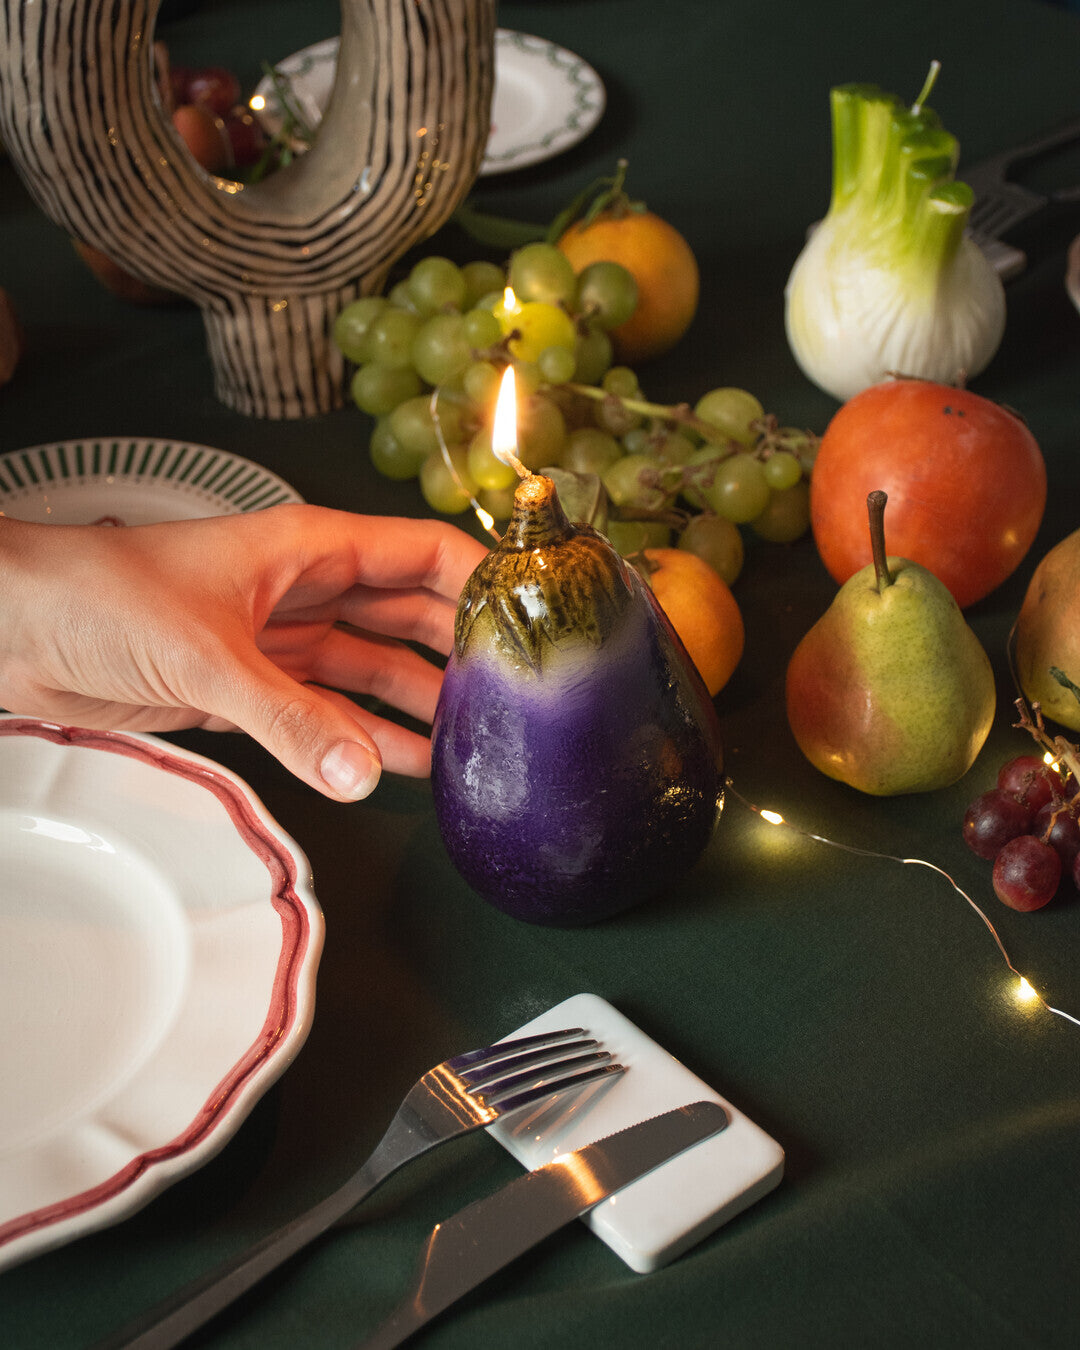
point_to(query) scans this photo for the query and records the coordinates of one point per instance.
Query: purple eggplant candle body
(576, 756)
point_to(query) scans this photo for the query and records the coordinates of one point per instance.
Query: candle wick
(514, 463)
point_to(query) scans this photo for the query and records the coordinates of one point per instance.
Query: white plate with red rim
(545, 99)
(133, 480)
(159, 942)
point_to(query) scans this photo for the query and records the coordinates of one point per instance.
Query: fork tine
(478, 1076)
(499, 1085)
(546, 1091)
(492, 1054)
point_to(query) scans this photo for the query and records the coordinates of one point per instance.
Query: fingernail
(350, 769)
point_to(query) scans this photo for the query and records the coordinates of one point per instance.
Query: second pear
(891, 691)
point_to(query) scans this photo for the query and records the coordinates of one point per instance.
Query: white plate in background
(128, 480)
(546, 99)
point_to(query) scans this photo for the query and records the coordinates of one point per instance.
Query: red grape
(248, 138)
(1056, 824)
(1030, 779)
(1026, 873)
(179, 78)
(214, 86)
(992, 820)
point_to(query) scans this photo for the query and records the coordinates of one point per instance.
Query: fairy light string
(1025, 991)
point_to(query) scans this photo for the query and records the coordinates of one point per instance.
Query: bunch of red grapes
(220, 131)
(1028, 827)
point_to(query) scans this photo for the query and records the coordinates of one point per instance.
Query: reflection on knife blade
(484, 1237)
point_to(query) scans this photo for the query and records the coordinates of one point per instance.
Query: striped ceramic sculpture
(269, 265)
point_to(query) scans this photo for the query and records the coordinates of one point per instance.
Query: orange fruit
(702, 611)
(661, 262)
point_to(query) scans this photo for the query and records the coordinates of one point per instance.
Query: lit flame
(510, 302)
(504, 442)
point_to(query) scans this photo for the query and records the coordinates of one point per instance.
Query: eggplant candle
(576, 757)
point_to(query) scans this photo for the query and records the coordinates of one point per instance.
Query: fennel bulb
(888, 282)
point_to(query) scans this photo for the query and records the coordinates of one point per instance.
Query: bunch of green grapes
(430, 355)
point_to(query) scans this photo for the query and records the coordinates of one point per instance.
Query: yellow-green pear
(891, 691)
(1048, 633)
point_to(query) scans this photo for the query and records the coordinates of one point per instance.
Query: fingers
(403, 751)
(314, 736)
(384, 552)
(360, 663)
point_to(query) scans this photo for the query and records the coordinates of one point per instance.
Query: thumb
(312, 737)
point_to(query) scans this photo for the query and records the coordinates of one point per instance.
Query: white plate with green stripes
(133, 481)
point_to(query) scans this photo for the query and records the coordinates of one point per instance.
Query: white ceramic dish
(132, 481)
(546, 99)
(657, 1218)
(159, 941)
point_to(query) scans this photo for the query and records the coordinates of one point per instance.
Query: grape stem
(1063, 751)
(680, 413)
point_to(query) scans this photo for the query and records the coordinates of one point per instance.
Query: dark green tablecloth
(857, 1009)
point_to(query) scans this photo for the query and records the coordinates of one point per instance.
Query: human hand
(250, 621)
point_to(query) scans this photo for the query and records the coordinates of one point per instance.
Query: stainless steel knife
(481, 1239)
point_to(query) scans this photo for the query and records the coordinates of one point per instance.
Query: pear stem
(875, 507)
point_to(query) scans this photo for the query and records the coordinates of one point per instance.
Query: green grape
(389, 456)
(482, 328)
(491, 300)
(352, 323)
(527, 378)
(804, 445)
(739, 491)
(634, 481)
(638, 440)
(590, 450)
(398, 296)
(445, 491)
(557, 365)
(435, 284)
(717, 542)
(480, 383)
(539, 325)
(486, 469)
(440, 349)
(731, 411)
(390, 337)
(698, 474)
(481, 278)
(782, 470)
(622, 382)
(540, 272)
(498, 502)
(631, 536)
(541, 432)
(414, 426)
(787, 515)
(613, 415)
(593, 354)
(675, 448)
(607, 293)
(377, 390)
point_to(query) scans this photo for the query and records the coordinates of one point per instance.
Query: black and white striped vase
(271, 264)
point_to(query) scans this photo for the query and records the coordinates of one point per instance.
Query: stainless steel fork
(1001, 204)
(461, 1094)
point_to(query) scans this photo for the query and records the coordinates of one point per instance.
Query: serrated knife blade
(482, 1238)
